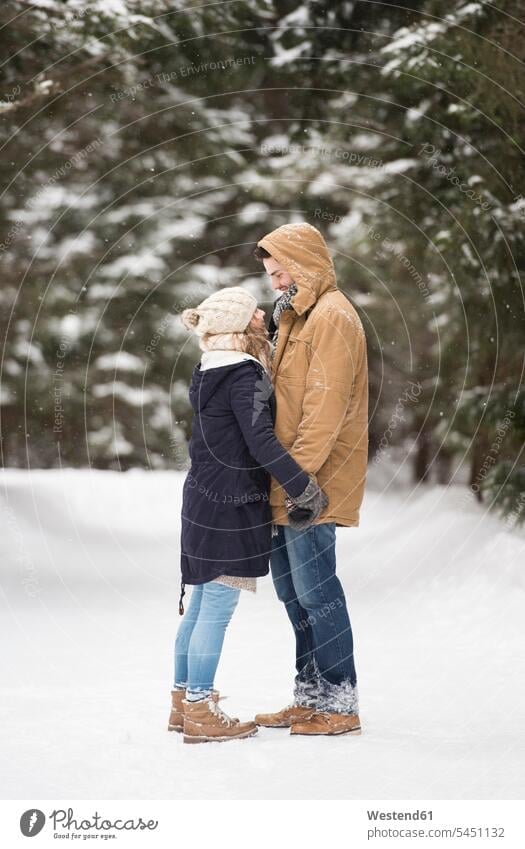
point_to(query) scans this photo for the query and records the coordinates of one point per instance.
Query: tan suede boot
(205, 722)
(176, 720)
(285, 717)
(329, 724)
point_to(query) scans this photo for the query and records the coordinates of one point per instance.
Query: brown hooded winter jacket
(320, 377)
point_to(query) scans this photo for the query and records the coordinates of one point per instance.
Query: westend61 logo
(32, 822)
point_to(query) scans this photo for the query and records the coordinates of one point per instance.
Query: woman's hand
(305, 509)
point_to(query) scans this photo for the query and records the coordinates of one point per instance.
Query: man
(319, 370)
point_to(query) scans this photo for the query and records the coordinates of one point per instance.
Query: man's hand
(306, 508)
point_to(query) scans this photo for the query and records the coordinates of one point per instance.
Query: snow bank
(89, 595)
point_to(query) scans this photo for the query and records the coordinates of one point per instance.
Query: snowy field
(436, 591)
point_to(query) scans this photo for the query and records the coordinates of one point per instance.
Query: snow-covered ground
(435, 588)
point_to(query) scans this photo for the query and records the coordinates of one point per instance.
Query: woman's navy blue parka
(226, 514)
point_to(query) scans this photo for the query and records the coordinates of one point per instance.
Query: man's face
(279, 277)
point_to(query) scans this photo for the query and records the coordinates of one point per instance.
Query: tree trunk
(421, 467)
(479, 456)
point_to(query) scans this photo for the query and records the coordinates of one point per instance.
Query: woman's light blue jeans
(200, 637)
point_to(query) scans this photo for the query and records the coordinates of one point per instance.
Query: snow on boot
(217, 698)
(205, 722)
(176, 720)
(285, 717)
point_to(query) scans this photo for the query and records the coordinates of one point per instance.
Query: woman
(226, 515)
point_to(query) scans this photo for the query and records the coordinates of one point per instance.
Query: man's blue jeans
(303, 571)
(200, 637)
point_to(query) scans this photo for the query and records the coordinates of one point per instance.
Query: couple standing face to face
(280, 281)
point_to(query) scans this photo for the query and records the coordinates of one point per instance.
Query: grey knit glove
(306, 507)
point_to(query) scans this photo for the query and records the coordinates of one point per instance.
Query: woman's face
(257, 321)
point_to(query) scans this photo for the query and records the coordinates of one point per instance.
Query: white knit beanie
(226, 311)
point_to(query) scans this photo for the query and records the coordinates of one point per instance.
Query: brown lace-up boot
(176, 720)
(284, 718)
(205, 722)
(329, 724)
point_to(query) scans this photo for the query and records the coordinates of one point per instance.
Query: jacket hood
(206, 381)
(302, 251)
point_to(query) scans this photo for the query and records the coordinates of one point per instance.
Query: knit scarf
(281, 304)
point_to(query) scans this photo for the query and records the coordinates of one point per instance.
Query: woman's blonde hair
(253, 341)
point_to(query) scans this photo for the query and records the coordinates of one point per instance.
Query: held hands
(307, 507)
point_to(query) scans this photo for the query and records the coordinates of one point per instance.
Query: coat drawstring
(182, 594)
